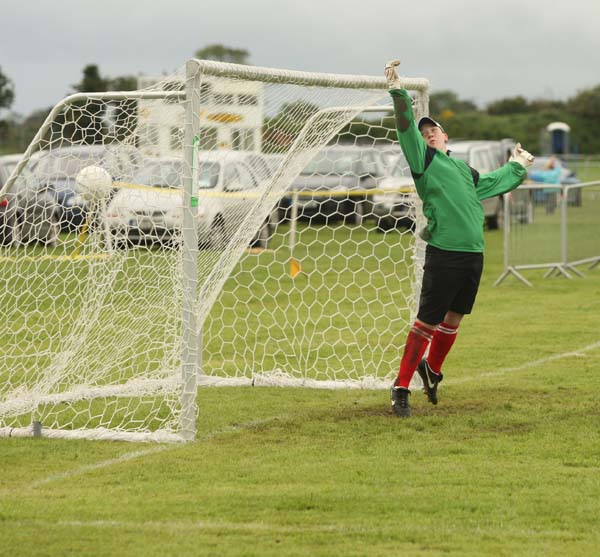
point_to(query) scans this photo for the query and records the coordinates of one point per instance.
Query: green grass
(588, 172)
(506, 464)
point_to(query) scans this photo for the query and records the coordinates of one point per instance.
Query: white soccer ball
(95, 183)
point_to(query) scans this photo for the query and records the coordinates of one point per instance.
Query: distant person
(550, 174)
(451, 192)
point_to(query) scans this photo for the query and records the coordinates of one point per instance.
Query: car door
(240, 192)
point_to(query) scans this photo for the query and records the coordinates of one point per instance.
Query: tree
(221, 53)
(586, 104)
(7, 92)
(280, 131)
(122, 83)
(93, 122)
(445, 101)
(511, 105)
(91, 81)
(546, 105)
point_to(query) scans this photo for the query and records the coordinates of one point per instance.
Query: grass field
(507, 464)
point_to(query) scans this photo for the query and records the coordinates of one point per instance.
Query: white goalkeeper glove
(392, 75)
(521, 156)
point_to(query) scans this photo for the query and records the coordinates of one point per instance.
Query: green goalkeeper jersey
(451, 191)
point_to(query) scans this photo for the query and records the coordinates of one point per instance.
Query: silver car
(28, 213)
(395, 200)
(151, 210)
(334, 184)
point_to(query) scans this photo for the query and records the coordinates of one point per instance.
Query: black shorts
(450, 283)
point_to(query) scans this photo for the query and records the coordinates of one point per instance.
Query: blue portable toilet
(558, 133)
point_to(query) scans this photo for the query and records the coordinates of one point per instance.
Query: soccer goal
(256, 229)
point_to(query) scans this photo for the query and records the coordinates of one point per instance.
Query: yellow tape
(256, 194)
(50, 257)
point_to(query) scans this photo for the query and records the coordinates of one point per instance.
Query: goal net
(224, 225)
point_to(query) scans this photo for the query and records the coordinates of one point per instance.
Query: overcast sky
(482, 49)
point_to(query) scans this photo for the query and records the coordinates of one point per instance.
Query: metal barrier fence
(551, 227)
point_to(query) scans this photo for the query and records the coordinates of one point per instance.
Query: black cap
(428, 120)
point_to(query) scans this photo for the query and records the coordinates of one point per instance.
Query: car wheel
(216, 237)
(408, 224)
(494, 222)
(283, 214)
(491, 222)
(384, 224)
(6, 234)
(261, 240)
(53, 232)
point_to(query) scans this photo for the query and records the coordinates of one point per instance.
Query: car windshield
(64, 165)
(208, 175)
(330, 163)
(169, 174)
(163, 174)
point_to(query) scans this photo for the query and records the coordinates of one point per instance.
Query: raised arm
(507, 177)
(412, 143)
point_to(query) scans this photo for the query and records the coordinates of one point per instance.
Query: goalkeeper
(451, 192)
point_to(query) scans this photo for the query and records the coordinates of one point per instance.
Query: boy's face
(434, 137)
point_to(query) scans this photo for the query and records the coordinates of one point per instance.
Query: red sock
(443, 339)
(416, 343)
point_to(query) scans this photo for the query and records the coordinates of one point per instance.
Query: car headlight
(75, 201)
(116, 214)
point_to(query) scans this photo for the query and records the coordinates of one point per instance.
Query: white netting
(202, 243)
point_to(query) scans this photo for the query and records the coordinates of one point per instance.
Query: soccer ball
(95, 183)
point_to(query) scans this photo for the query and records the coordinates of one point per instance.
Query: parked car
(27, 213)
(153, 212)
(326, 180)
(57, 171)
(394, 205)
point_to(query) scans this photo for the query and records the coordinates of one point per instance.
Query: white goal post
(190, 270)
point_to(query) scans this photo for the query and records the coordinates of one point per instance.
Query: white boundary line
(576, 354)
(199, 525)
(138, 454)
(99, 465)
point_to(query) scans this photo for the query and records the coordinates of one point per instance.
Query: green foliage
(514, 117)
(16, 133)
(91, 116)
(443, 101)
(7, 92)
(512, 105)
(365, 132)
(545, 105)
(222, 53)
(91, 81)
(7, 95)
(586, 104)
(280, 131)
